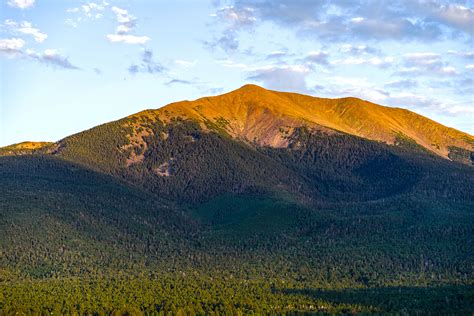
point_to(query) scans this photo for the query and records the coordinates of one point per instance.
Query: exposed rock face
(265, 117)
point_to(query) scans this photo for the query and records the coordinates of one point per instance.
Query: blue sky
(70, 65)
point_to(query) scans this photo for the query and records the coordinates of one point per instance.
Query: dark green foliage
(206, 224)
(99, 148)
(59, 218)
(201, 164)
(347, 167)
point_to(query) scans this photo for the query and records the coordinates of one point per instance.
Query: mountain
(254, 139)
(254, 201)
(254, 114)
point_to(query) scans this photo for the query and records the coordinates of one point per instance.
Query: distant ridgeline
(251, 201)
(24, 148)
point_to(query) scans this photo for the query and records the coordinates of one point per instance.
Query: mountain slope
(253, 113)
(256, 140)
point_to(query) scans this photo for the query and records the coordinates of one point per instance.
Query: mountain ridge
(264, 117)
(254, 113)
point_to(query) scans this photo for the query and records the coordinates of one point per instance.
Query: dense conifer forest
(142, 216)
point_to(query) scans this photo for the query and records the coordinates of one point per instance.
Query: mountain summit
(254, 114)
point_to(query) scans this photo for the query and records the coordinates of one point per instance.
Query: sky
(67, 66)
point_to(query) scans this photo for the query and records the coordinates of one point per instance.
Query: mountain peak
(250, 87)
(254, 114)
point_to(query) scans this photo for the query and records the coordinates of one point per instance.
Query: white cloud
(50, 52)
(339, 20)
(425, 63)
(127, 23)
(358, 49)
(401, 84)
(119, 11)
(422, 58)
(357, 19)
(449, 70)
(51, 57)
(87, 11)
(26, 28)
(237, 17)
(71, 23)
(455, 15)
(11, 46)
(122, 29)
(14, 48)
(127, 39)
(21, 4)
(462, 54)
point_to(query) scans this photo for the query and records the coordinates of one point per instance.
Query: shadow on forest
(452, 299)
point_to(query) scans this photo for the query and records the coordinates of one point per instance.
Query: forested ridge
(143, 215)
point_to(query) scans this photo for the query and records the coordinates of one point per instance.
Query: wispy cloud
(401, 84)
(21, 4)
(228, 42)
(127, 39)
(453, 15)
(348, 20)
(85, 12)
(25, 28)
(425, 63)
(11, 46)
(178, 81)
(146, 65)
(358, 49)
(237, 16)
(235, 19)
(462, 54)
(126, 24)
(317, 57)
(51, 57)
